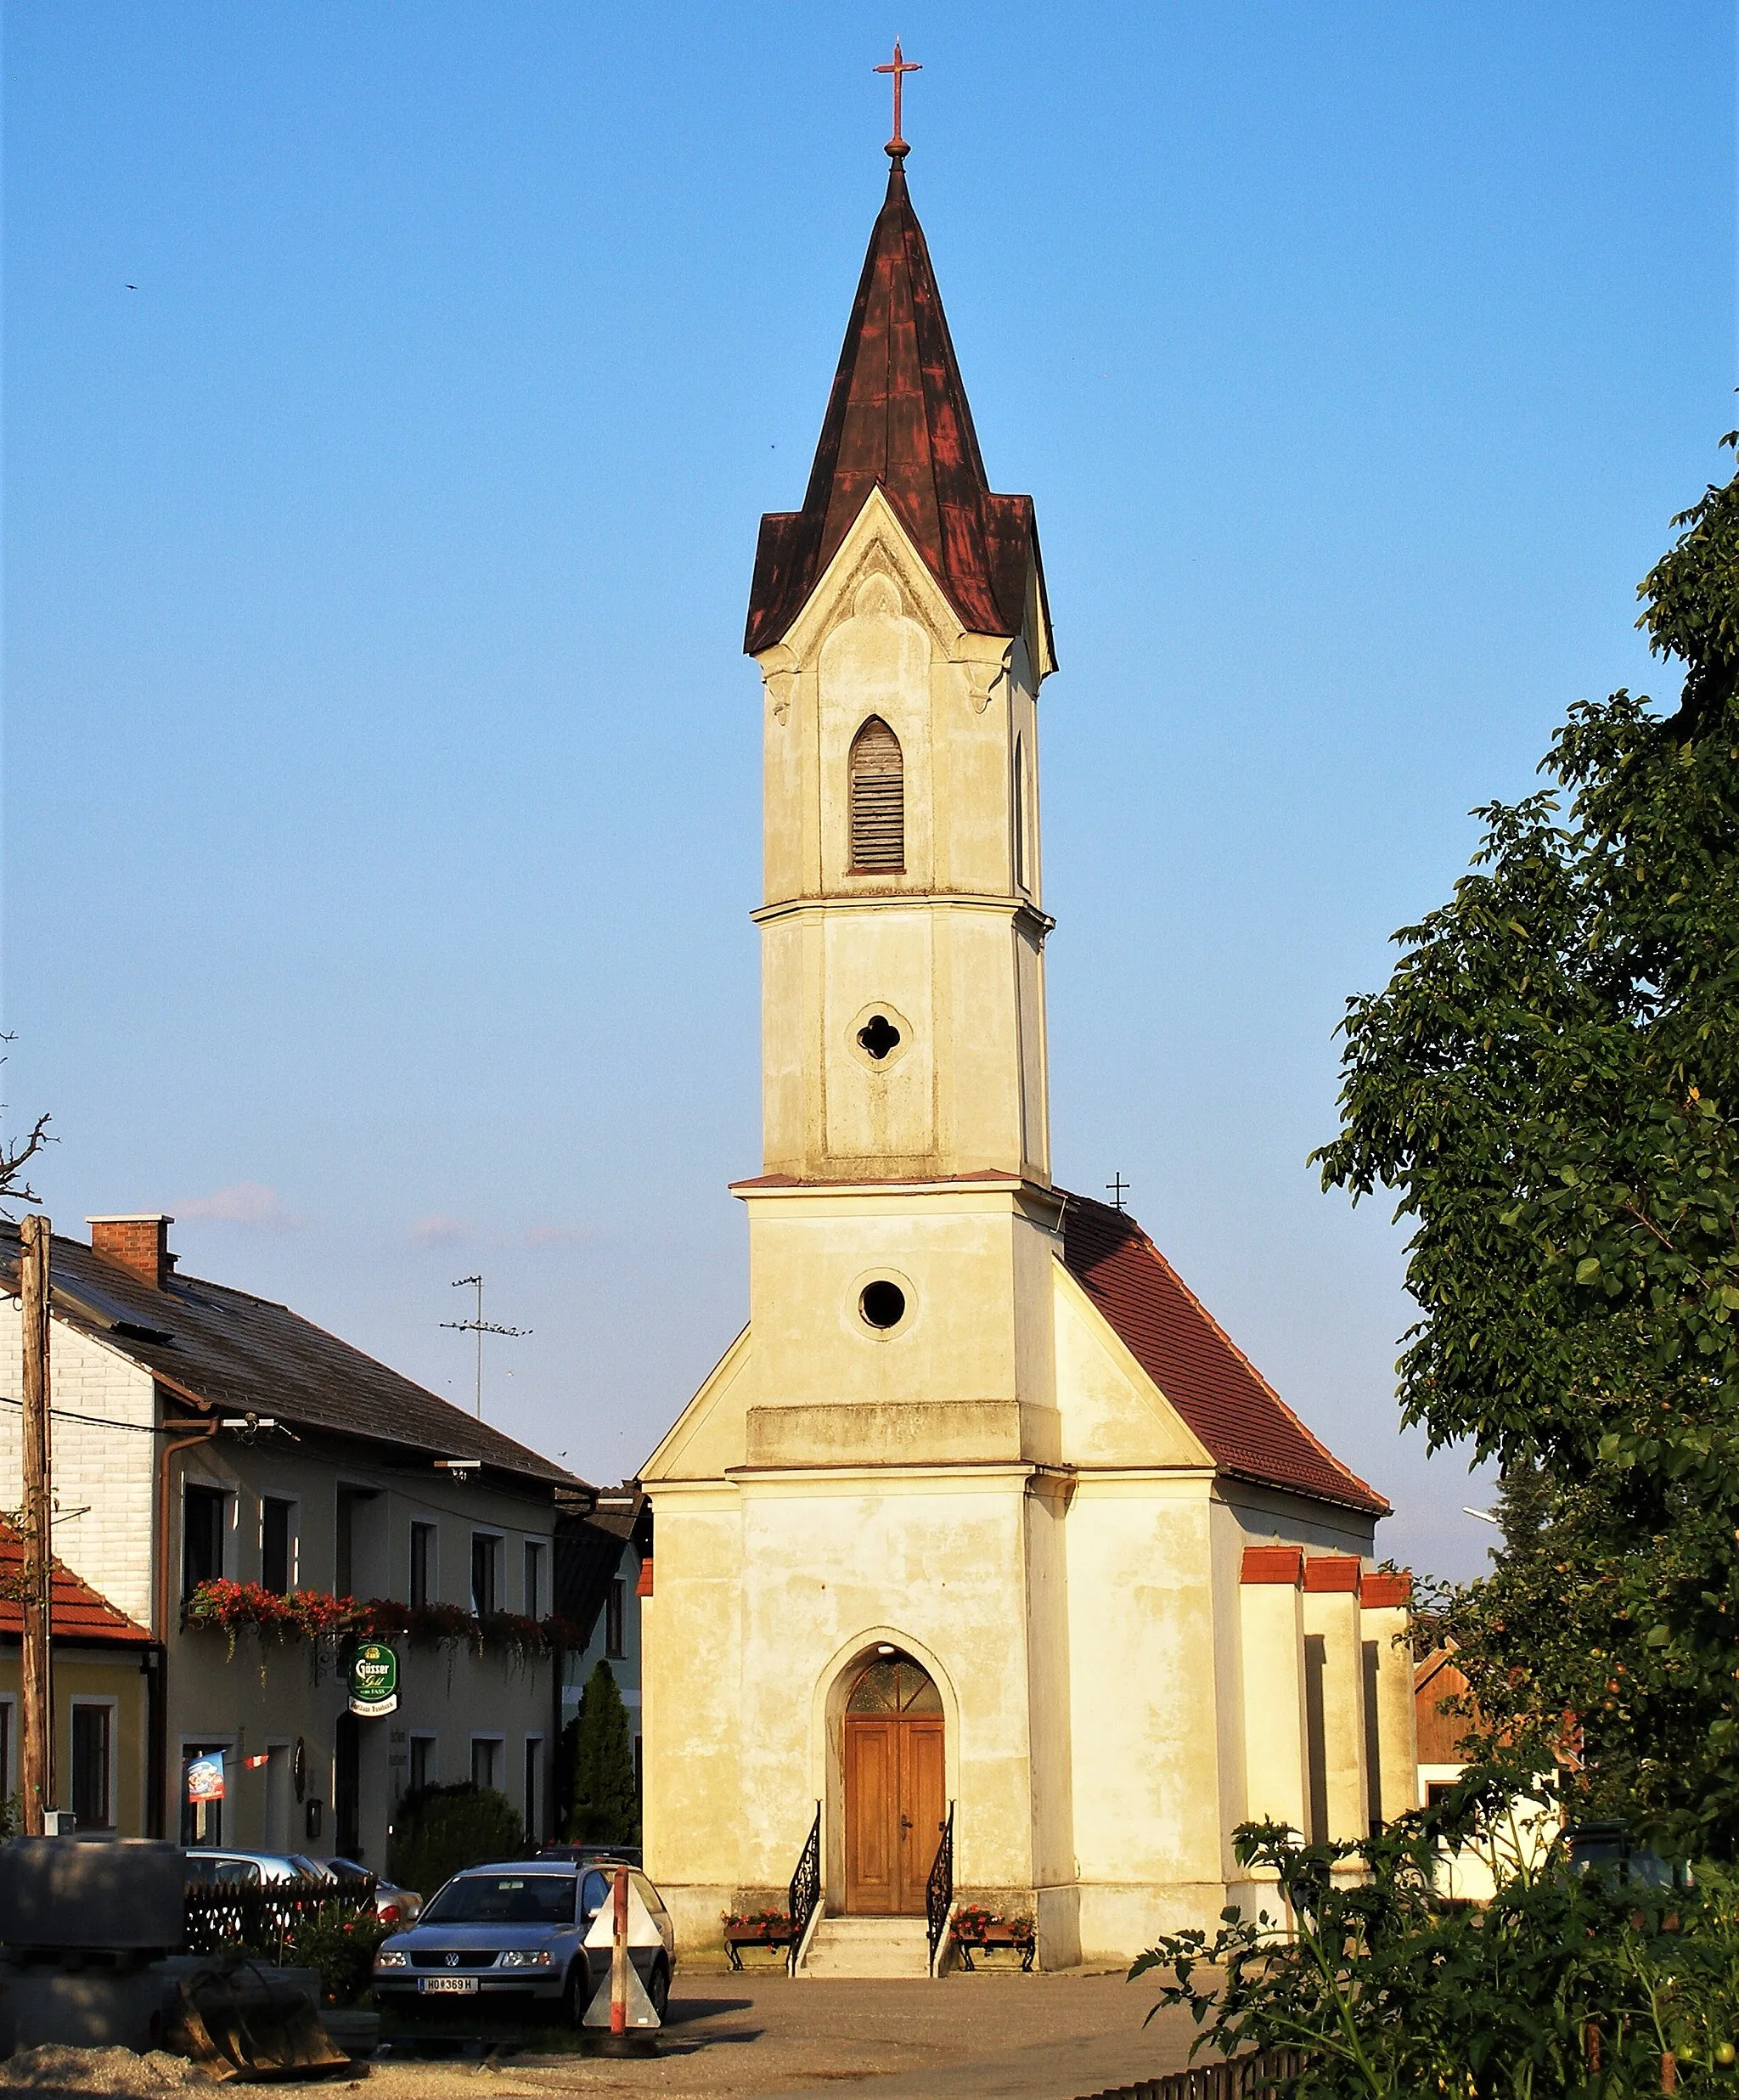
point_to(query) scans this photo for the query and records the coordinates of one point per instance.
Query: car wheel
(576, 1995)
(658, 1990)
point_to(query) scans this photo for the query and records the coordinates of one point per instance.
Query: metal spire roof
(898, 418)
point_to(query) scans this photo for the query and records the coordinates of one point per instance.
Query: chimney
(138, 1242)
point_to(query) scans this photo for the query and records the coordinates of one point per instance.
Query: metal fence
(1246, 2077)
(260, 1916)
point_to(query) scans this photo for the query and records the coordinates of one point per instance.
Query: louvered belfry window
(878, 801)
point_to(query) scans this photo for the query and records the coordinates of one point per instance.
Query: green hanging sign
(372, 1673)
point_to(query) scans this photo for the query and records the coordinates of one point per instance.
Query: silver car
(515, 1932)
(208, 1866)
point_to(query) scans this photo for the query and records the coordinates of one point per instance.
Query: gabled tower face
(900, 625)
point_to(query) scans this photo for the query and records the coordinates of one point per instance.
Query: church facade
(981, 1530)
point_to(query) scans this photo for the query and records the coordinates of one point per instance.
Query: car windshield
(504, 1899)
(310, 1869)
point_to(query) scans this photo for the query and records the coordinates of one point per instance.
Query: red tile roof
(76, 1611)
(1230, 1406)
(1328, 1573)
(1379, 1592)
(897, 418)
(1272, 1563)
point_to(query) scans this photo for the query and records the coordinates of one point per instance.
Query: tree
(439, 1831)
(16, 1154)
(1549, 1085)
(599, 1758)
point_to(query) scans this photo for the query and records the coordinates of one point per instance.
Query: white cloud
(243, 1203)
(438, 1229)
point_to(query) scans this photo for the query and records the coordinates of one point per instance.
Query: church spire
(897, 418)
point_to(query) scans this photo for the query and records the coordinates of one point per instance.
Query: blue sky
(390, 396)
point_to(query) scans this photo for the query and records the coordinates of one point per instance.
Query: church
(986, 1569)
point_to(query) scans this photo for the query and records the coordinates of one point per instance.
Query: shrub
(340, 1944)
(1565, 1984)
(437, 1830)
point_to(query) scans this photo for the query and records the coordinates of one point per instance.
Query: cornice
(1018, 907)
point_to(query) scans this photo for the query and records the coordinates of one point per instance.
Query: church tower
(951, 1547)
(902, 1232)
(900, 624)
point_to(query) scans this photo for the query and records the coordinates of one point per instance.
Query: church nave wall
(1145, 1701)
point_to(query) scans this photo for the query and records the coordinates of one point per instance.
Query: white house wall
(102, 1464)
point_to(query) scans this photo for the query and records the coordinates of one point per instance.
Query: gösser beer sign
(372, 1674)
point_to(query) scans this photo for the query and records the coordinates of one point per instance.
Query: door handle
(905, 1822)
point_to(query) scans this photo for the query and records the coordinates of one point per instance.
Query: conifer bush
(598, 1767)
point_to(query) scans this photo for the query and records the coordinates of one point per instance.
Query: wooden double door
(896, 1786)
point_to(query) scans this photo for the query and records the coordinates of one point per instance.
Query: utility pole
(37, 1744)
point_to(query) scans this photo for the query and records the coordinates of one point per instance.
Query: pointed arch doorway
(896, 1783)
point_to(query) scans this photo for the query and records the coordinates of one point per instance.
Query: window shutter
(878, 801)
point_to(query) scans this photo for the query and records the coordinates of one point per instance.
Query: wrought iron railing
(939, 1889)
(805, 1889)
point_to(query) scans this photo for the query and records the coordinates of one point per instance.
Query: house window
(92, 1728)
(878, 795)
(423, 1767)
(486, 1760)
(423, 1571)
(485, 1573)
(534, 1578)
(614, 1606)
(277, 1545)
(201, 1536)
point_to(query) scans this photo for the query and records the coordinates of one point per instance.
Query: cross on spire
(896, 146)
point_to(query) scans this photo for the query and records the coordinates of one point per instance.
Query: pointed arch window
(878, 777)
(1023, 880)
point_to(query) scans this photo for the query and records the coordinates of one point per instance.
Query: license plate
(446, 1983)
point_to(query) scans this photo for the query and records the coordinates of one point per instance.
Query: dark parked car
(1608, 1849)
(588, 1855)
(392, 1904)
(516, 1933)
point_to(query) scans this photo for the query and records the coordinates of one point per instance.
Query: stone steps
(868, 1947)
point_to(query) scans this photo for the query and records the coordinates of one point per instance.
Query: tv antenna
(1116, 1188)
(479, 1326)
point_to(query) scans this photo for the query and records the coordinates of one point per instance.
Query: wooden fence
(1245, 2077)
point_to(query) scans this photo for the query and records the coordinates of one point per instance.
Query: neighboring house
(1437, 1683)
(200, 1435)
(106, 1668)
(603, 1566)
(1518, 1837)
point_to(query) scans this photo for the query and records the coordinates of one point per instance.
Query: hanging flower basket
(314, 1615)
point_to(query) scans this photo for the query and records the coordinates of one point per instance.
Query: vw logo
(452, 1960)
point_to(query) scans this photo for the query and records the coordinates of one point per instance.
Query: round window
(883, 1304)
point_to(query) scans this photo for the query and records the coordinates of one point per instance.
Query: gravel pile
(54, 2068)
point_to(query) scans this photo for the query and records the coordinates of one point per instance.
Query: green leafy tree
(438, 1831)
(599, 1758)
(1549, 1085)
